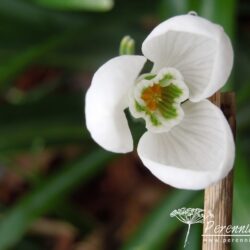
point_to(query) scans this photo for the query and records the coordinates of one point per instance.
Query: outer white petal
(198, 48)
(106, 100)
(196, 153)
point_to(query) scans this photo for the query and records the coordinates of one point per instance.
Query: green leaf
(222, 12)
(54, 119)
(14, 224)
(25, 21)
(169, 8)
(92, 5)
(241, 206)
(241, 188)
(23, 136)
(60, 107)
(158, 226)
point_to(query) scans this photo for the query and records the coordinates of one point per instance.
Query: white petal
(106, 100)
(196, 153)
(199, 49)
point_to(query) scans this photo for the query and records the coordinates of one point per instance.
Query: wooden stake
(219, 197)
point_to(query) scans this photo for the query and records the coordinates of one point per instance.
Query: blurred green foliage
(45, 196)
(97, 5)
(159, 227)
(76, 36)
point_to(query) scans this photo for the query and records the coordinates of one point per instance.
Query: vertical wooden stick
(219, 197)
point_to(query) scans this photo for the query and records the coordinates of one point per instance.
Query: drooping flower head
(188, 143)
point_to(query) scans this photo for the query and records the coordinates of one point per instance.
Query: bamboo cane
(218, 198)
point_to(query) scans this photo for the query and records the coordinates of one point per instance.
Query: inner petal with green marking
(157, 98)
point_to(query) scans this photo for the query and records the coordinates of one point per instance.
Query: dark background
(58, 189)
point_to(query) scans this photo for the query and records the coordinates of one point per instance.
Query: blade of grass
(222, 12)
(169, 8)
(243, 94)
(91, 5)
(54, 107)
(241, 189)
(158, 226)
(55, 119)
(14, 224)
(241, 206)
(22, 136)
(243, 118)
(37, 18)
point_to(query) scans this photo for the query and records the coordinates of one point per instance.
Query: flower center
(157, 98)
(152, 96)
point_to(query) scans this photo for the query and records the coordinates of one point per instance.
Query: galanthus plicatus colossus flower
(188, 143)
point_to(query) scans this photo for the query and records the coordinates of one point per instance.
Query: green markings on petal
(149, 76)
(157, 98)
(169, 96)
(139, 108)
(174, 89)
(166, 107)
(168, 111)
(165, 80)
(154, 120)
(153, 117)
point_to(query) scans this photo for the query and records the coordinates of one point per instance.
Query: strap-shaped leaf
(93, 5)
(14, 224)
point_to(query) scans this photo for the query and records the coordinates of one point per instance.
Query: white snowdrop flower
(188, 143)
